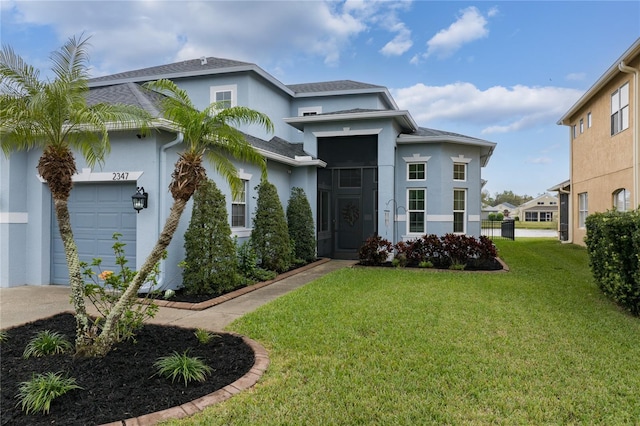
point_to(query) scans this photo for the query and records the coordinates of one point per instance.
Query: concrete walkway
(19, 305)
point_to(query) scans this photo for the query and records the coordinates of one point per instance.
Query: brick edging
(236, 293)
(190, 408)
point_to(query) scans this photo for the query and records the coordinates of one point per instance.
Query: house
(365, 165)
(507, 209)
(543, 208)
(604, 144)
(564, 192)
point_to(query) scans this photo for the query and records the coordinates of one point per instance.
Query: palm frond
(16, 76)
(239, 116)
(175, 96)
(70, 63)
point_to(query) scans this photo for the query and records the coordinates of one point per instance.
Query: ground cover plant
(538, 345)
(124, 383)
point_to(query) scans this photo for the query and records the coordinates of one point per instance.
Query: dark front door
(564, 217)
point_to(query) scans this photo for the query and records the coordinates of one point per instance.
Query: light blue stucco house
(365, 165)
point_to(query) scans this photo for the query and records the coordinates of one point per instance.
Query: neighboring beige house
(604, 150)
(543, 208)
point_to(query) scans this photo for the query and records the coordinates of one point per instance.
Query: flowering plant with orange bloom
(103, 289)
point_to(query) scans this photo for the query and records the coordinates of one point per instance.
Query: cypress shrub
(270, 235)
(210, 259)
(301, 227)
(613, 244)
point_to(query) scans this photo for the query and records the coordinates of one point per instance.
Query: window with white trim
(581, 125)
(416, 171)
(589, 120)
(622, 200)
(459, 171)
(459, 210)
(620, 109)
(307, 111)
(583, 208)
(239, 207)
(417, 211)
(224, 96)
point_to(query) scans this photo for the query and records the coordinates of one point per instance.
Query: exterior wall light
(139, 199)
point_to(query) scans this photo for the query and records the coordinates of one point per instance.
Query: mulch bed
(121, 385)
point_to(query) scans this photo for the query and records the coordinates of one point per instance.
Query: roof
(631, 53)
(128, 94)
(561, 187)
(332, 86)
(425, 135)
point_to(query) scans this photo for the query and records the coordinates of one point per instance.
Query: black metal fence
(499, 230)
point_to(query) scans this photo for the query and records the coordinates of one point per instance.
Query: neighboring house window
(588, 120)
(239, 207)
(581, 125)
(459, 210)
(530, 216)
(622, 200)
(546, 217)
(225, 96)
(323, 211)
(417, 211)
(583, 208)
(416, 171)
(459, 171)
(620, 109)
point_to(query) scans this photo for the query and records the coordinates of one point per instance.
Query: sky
(500, 71)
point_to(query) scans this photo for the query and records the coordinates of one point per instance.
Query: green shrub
(210, 265)
(182, 366)
(37, 394)
(301, 226)
(45, 343)
(104, 287)
(204, 336)
(270, 235)
(248, 265)
(613, 244)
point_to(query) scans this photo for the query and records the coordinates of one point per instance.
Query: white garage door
(97, 211)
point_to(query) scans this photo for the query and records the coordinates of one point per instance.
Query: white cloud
(540, 160)
(497, 109)
(576, 76)
(470, 26)
(400, 43)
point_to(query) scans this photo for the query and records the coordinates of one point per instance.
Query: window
(416, 211)
(308, 111)
(581, 125)
(416, 171)
(224, 96)
(239, 207)
(459, 209)
(323, 211)
(588, 120)
(575, 131)
(583, 208)
(622, 200)
(530, 216)
(620, 109)
(546, 216)
(459, 171)
(350, 178)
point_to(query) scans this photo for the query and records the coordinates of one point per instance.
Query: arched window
(622, 200)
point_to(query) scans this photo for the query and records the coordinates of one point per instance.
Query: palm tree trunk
(75, 276)
(107, 337)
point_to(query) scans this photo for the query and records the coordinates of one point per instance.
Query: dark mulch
(122, 384)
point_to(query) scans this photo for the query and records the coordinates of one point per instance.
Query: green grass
(537, 345)
(536, 225)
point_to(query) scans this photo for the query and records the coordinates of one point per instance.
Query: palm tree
(208, 134)
(53, 115)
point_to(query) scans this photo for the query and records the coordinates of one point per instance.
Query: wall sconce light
(139, 199)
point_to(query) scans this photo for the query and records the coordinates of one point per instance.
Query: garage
(97, 211)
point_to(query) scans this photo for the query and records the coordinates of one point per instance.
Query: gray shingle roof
(277, 146)
(332, 86)
(128, 94)
(423, 131)
(192, 65)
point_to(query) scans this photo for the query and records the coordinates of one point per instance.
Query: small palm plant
(4, 336)
(182, 366)
(45, 343)
(37, 394)
(204, 336)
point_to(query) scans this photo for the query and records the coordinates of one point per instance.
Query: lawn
(537, 345)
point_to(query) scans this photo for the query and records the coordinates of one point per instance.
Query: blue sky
(500, 71)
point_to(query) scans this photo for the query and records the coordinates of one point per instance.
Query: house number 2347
(120, 175)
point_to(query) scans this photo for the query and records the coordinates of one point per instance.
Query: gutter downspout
(162, 202)
(636, 123)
